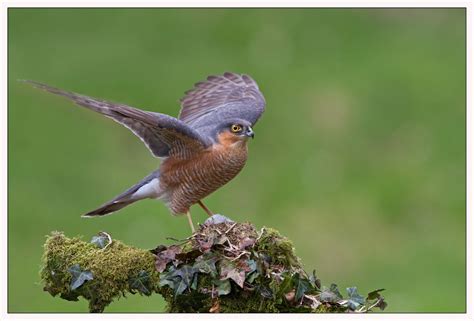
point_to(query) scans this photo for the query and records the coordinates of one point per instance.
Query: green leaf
(315, 281)
(374, 294)
(194, 284)
(374, 299)
(141, 282)
(355, 299)
(252, 266)
(381, 304)
(286, 284)
(252, 276)
(186, 273)
(79, 276)
(331, 295)
(101, 240)
(302, 286)
(223, 287)
(335, 290)
(206, 263)
(180, 287)
(166, 278)
(183, 278)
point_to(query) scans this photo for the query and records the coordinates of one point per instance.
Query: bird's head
(235, 130)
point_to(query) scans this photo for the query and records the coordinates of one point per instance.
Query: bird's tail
(146, 188)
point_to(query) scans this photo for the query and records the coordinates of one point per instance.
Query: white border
(233, 3)
(237, 3)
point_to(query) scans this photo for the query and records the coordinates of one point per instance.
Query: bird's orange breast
(185, 182)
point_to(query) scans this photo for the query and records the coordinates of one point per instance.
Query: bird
(200, 151)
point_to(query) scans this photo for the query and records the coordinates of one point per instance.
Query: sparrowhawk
(201, 150)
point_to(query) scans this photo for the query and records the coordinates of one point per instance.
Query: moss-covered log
(223, 267)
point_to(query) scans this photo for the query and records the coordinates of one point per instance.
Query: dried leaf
(206, 244)
(216, 307)
(246, 242)
(166, 256)
(230, 271)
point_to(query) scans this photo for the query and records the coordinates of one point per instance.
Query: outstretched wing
(162, 134)
(222, 97)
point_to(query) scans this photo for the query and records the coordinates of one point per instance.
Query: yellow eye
(236, 128)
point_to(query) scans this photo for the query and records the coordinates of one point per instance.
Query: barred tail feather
(146, 188)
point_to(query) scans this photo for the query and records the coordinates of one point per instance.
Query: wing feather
(162, 134)
(229, 95)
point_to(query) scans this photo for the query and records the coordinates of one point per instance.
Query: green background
(359, 158)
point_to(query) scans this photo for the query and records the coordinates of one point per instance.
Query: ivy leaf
(183, 278)
(186, 273)
(101, 240)
(223, 287)
(79, 276)
(331, 295)
(246, 242)
(374, 294)
(206, 264)
(301, 286)
(286, 284)
(355, 299)
(252, 272)
(165, 256)
(315, 281)
(379, 300)
(194, 284)
(180, 287)
(335, 290)
(205, 244)
(166, 278)
(251, 277)
(252, 266)
(381, 304)
(141, 282)
(229, 271)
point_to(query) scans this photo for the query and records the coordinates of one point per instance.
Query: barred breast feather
(186, 182)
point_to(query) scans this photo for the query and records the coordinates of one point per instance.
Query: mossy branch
(224, 267)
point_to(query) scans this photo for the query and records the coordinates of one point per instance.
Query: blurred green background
(359, 158)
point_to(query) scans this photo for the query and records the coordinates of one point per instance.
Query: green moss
(112, 269)
(225, 267)
(279, 248)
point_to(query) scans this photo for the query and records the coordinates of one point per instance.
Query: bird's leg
(190, 221)
(204, 207)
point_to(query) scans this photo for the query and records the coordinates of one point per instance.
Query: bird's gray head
(239, 129)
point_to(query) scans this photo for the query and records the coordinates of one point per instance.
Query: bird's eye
(236, 128)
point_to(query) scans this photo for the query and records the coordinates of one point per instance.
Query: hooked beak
(249, 132)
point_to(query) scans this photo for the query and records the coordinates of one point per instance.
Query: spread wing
(222, 97)
(162, 134)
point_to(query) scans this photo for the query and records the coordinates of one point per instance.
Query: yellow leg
(190, 221)
(204, 207)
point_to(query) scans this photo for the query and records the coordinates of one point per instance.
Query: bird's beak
(249, 132)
